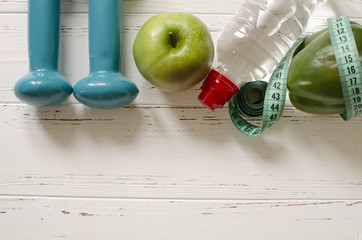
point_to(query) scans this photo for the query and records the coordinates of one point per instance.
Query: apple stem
(173, 39)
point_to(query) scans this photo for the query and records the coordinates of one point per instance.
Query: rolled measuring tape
(350, 72)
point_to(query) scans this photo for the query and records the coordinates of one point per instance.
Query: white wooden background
(166, 167)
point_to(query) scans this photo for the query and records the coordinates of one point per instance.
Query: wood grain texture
(73, 219)
(73, 57)
(166, 167)
(201, 6)
(184, 152)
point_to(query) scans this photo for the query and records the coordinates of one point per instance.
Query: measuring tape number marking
(349, 68)
(274, 99)
(349, 65)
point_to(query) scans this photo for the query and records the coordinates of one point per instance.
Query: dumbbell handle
(105, 34)
(43, 34)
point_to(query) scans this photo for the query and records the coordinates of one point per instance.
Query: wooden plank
(180, 152)
(73, 57)
(131, 6)
(53, 218)
(167, 167)
(157, 6)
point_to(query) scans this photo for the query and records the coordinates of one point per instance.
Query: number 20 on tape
(349, 65)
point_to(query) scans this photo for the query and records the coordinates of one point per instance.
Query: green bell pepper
(313, 79)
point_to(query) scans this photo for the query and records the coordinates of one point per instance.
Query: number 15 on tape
(349, 65)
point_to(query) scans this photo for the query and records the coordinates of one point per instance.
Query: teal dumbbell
(43, 86)
(105, 87)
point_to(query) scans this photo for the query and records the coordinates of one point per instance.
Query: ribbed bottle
(253, 43)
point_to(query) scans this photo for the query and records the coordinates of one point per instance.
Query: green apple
(173, 51)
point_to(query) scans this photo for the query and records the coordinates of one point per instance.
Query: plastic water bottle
(253, 43)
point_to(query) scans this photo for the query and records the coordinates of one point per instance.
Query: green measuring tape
(350, 71)
(274, 98)
(349, 65)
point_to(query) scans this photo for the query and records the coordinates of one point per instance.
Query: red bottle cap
(217, 90)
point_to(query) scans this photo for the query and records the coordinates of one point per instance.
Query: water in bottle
(253, 43)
